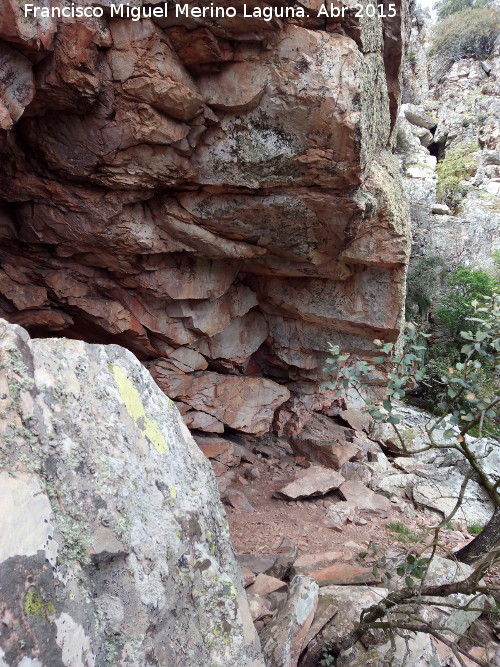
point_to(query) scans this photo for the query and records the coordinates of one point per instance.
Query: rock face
(114, 547)
(459, 115)
(218, 196)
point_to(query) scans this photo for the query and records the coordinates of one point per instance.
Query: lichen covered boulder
(114, 547)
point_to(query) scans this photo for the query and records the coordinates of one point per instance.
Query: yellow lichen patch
(35, 606)
(173, 492)
(135, 408)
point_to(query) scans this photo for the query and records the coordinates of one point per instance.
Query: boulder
(344, 605)
(239, 87)
(257, 563)
(242, 403)
(441, 491)
(364, 498)
(325, 442)
(283, 637)
(264, 584)
(340, 513)
(399, 484)
(418, 116)
(441, 209)
(112, 527)
(259, 607)
(238, 500)
(419, 648)
(217, 448)
(415, 649)
(356, 471)
(315, 481)
(149, 70)
(357, 419)
(344, 574)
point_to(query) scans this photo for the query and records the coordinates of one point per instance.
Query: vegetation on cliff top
(446, 8)
(470, 33)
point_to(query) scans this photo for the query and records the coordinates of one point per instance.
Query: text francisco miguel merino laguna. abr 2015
(210, 11)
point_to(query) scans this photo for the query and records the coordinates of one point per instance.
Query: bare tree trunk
(487, 540)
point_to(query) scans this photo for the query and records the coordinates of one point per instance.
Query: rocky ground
(289, 515)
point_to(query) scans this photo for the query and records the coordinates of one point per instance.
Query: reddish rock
(201, 421)
(308, 563)
(257, 563)
(217, 448)
(199, 46)
(325, 442)
(315, 481)
(357, 419)
(344, 574)
(263, 585)
(32, 33)
(245, 404)
(239, 87)
(149, 70)
(217, 195)
(238, 500)
(42, 319)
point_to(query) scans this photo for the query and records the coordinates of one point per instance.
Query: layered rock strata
(219, 196)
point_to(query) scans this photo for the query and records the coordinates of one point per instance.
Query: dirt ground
(306, 523)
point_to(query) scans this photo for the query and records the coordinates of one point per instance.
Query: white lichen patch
(75, 645)
(23, 503)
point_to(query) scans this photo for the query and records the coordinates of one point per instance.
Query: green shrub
(403, 533)
(470, 33)
(446, 8)
(495, 255)
(455, 307)
(475, 529)
(457, 165)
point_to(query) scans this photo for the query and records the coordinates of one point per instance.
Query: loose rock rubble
(329, 520)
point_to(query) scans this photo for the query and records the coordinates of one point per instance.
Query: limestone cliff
(219, 196)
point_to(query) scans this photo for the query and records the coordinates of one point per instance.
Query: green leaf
(387, 405)
(394, 419)
(409, 582)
